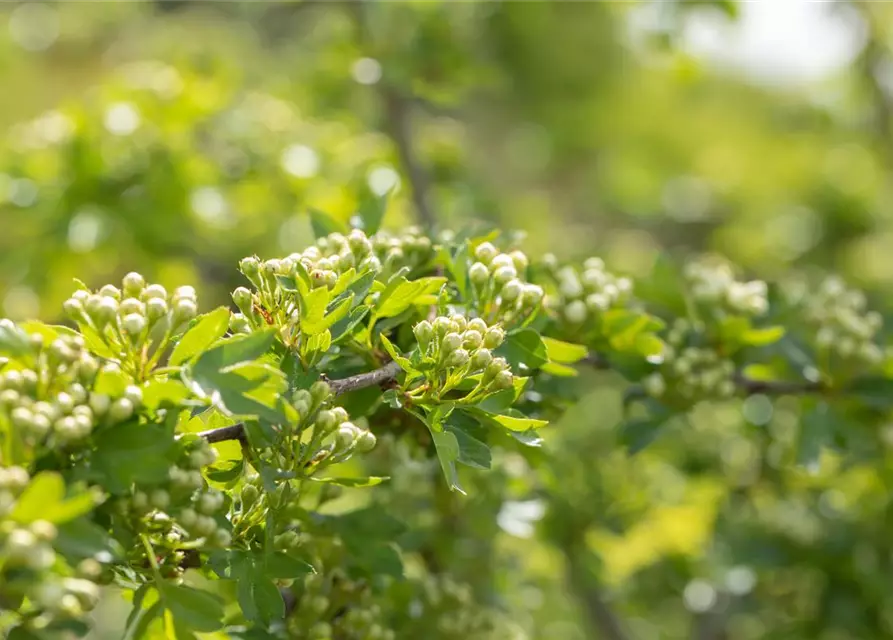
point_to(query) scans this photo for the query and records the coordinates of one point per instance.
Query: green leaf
(564, 352)
(559, 370)
(111, 382)
(763, 337)
(206, 331)
(510, 422)
(237, 349)
(623, 326)
(447, 447)
(345, 328)
(372, 210)
(96, 344)
(396, 299)
(525, 347)
(404, 363)
(200, 610)
(313, 309)
(48, 332)
(649, 345)
(323, 224)
(369, 481)
(638, 433)
(131, 452)
(164, 392)
(470, 436)
(281, 566)
(44, 499)
(80, 538)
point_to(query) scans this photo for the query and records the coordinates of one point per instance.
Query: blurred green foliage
(175, 138)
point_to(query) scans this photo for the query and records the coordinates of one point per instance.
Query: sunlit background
(176, 137)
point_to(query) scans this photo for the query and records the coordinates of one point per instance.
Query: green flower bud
(210, 502)
(244, 300)
(494, 337)
(598, 302)
(331, 278)
(156, 308)
(154, 291)
(479, 274)
(457, 358)
(160, 499)
(340, 414)
(472, 339)
(40, 425)
(205, 526)
(238, 323)
(531, 295)
(134, 283)
(459, 322)
(249, 495)
(188, 517)
(317, 278)
(346, 436)
(64, 403)
(511, 290)
(442, 326)
(423, 333)
(12, 380)
(477, 324)
(110, 291)
(134, 394)
(502, 260)
(21, 418)
(480, 359)
(318, 605)
(73, 308)
(365, 442)
(326, 421)
(576, 312)
(30, 378)
(99, 403)
(519, 259)
(504, 274)
(370, 263)
(185, 310)
(103, 310)
(120, 410)
(496, 366)
(320, 391)
(221, 538)
(503, 380)
(250, 267)
(186, 292)
(485, 252)
(131, 305)
(81, 296)
(133, 324)
(450, 342)
(9, 398)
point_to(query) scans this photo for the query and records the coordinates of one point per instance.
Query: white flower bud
(597, 302)
(575, 312)
(479, 273)
(154, 291)
(485, 252)
(511, 290)
(504, 274)
(654, 385)
(131, 305)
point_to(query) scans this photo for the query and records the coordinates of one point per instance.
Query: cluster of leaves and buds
(150, 443)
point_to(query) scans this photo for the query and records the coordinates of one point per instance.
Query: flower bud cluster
(336, 436)
(586, 294)
(713, 283)
(689, 372)
(332, 605)
(843, 325)
(500, 284)
(183, 508)
(457, 348)
(412, 249)
(53, 403)
(445, 609)
(128, 314)
(30, 566)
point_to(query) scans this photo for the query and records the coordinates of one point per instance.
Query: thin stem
(343, 385)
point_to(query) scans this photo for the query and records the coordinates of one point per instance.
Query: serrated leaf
(470, 436)
(200, 610)
(131, 452)
(404, 362)
(206, 331)
(512, 423)
(241, 348)
(395, 300)
(559, 370)
(282, 566)
(525, 347)
(96, 344)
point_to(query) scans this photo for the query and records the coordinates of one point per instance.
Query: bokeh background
(176, 137)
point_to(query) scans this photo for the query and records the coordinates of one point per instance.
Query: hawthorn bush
(190, 459)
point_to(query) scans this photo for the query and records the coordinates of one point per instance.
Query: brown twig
(344, 385)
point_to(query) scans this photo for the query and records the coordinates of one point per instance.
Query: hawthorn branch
(343, 385)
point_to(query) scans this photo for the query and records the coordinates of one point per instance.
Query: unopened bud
(365, 442)
(133, 283)
(494, 337)
(423, 332)
(479, 273)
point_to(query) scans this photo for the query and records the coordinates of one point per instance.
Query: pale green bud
(450, 342)
(479, 273)
(134, 283)
(131, 305)
(485, 252)
(423, 332)
(519, 258)
(365, 442)
(494, 337)
(120, 410)
(477, 324)
(185, 310)
(110, 291)
(459, 322)
(504, 274)
(73, 308)
(503, 380)
(472, 339)
(156, 308)
(133, 324)
(345, 437)
(154, 291)
(457, 358)
(320, 391)
(511, 290)
(481, 358)
(576, 311)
